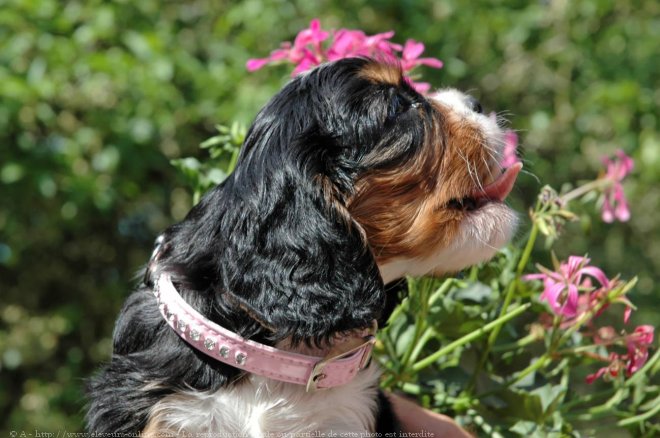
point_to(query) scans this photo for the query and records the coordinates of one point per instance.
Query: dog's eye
(398, 104)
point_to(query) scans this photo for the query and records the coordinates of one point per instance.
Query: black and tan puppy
(348, 180)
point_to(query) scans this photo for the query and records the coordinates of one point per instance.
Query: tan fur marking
(382, 73)
(154, 430)
(335, 202)
(404, 210)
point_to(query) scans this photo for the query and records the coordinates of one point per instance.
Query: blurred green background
(96, 97)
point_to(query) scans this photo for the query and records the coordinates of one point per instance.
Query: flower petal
(621, 211)
(637, 360)
(592, 377)
(412, 49)
(598, 274)
(607, 213)
(431, 62)
(528, 277)
(626, 314)
(627, 163)
(509, 155)
(255, 64)
(420, 87)
(573, 265)
(569, 308)
(642, 336)
(551, 296)
(346, 43)
(305, 64)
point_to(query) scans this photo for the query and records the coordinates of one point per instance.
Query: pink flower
(410, 56)
(615, 205)
(627, 313)
(351, 43)
(347, 43)
(420, 87)
(561, 287)
(637, 343)
(276, 55)
(307, 51)
(410, 60)
(509, 156)
(313, 36)
(605, 335)
(612, 370)
(509, 152)
(642, 336)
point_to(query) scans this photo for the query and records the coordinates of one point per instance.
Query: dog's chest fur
(260, 407)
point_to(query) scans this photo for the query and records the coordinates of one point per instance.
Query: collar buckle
(341, 351)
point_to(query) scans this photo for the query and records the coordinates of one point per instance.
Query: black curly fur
(270, 253)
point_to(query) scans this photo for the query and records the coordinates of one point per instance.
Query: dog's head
(348, 179)
(442, 209)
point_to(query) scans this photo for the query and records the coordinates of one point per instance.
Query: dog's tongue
(499, 189)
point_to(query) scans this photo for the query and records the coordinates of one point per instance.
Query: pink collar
(337, 368)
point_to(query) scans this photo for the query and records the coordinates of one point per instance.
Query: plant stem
(586, 399)
(389, 380)
(540, 363)
(389, 346)
(398, 310)
(599, 183)
(514, 284)
(411, 388)
(555, 335)
(421, 294)
(609, 413)
(426, 336)
(619, 395)
(470, 337)
(441, 290)
(606, 409)
(522, 342)
(638, 418)
(524, 259)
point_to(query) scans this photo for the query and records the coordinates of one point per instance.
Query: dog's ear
(274, 243)
(296, 261)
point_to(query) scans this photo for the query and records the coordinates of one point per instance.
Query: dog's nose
(474, 104)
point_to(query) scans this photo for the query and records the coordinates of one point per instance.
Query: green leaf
(524, 427)
(476, 292)
(543, 227)
(404, 338)
(186, 163)
(549, 396)
(218, 139)
(518, 405)
(216, 176)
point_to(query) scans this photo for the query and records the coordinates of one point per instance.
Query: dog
(258, 311)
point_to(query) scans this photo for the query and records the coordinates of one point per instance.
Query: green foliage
(432, 346)
(223, 151)
(97, 98)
